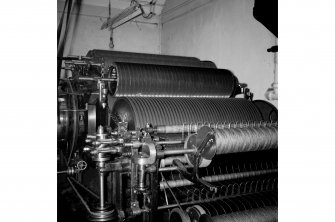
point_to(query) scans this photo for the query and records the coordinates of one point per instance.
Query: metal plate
(190, 143)
(210, 149)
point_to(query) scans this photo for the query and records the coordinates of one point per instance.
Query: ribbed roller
(143, 80)
(234, 140)
(138, 111)
(266, 214)
(178, 215)
(269, 112)
(214, 178)
(109, 57)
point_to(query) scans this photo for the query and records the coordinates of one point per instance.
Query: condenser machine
(144, 137)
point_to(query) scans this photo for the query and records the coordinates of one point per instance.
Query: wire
(60, 25)
(75, 122)
(82, 199)
(60, 48)
(85, 188)
(172, 192)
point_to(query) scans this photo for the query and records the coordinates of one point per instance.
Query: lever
(194, 177)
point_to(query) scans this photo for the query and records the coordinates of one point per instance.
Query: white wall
(136, 37)
(225, 32)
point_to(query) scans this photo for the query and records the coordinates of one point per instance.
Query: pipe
(272, 93)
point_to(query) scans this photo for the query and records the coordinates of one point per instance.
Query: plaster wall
(224, 32)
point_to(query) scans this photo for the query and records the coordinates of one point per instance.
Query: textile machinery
(145, 137)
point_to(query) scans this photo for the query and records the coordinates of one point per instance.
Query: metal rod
(138, 144)
(102, 191)
(109, 150)
(96, 79)
(164, 169)
(141, 176)
(169, 142)
(73, 110)
(133, 144)
(177, 128)
(202, 200)
(74, 58)
(179, 151)
(69, 93)
(190, 203)
(215, 178)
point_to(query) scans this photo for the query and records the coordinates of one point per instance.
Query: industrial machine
(145, 137)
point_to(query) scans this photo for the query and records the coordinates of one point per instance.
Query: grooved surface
(214, 178)
(110, 57)
(234, 140)
(143, 80)
(266, 214)
(138, 111)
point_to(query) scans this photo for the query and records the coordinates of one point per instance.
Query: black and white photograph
(167, 110)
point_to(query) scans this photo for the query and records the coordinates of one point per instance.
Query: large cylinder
(266, 214)
(245, 139)
(175, 111)
(268, 111)
(109, 57)
(146, 80)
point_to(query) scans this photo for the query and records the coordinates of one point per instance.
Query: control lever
(194, 176)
